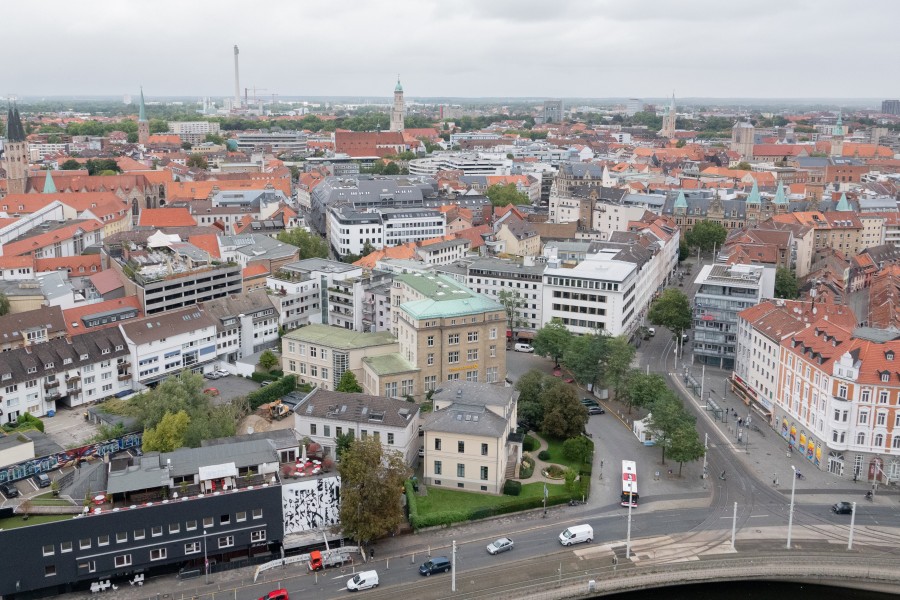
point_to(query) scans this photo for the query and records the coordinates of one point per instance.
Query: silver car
(501, 545)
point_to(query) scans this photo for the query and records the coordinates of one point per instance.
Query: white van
(363, 581)
(576, 534)
(523, 348)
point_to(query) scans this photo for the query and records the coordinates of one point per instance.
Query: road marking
(758, 516)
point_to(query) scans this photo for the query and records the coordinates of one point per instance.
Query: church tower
(398, 111)
(837, 137)
(668, 122)
(143, 123)
(15, 154)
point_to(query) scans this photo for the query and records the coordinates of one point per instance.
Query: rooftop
(357, 408)
(388, 364)
(443, 297)
(340, 338)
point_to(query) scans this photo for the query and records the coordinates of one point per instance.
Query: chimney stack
(237, 80)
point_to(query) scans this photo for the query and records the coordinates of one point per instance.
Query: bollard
(412, 558)
(429, 551)
(387, 563)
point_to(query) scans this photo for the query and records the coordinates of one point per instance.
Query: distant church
(398, 111)
(15, 154)
(668, 121)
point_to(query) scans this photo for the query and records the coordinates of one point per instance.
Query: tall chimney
(237, 80)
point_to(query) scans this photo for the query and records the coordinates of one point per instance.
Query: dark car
(42, 480)
(438, 564)
(596, 410)
(9, 490)
(842, 508)
(589, 402)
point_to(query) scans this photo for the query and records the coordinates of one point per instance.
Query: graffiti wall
(311, 505)
(69, 458)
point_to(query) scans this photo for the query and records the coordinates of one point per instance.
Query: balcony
(54, 395)
(124, 376)
(48, 385)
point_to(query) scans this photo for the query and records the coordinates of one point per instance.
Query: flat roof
(338, 337)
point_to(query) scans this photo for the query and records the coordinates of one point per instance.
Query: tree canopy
(786, 284)
(96, 166)
(311, 245)
(671, 310)
(371, 485)
(706, 235)
(198, 161)
(583, 357)
(169, 434)
(349, 384)
(268, 360)
(642, 389)
(4, 305)
(552, 340)
(564, 415)
(512, 301)
(503, 195)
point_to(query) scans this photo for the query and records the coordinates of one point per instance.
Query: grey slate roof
(12, 325)
(166, 324)
(357, 408)
(281, 438)
(235, 305)
(471, 419)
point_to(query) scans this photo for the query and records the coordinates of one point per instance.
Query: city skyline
(466, 49)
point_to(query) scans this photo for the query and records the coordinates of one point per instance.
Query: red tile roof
(34, 243)
(166, 217)
(84, 264)
(207, 242)
(106, 281)
(73, 316)
(255, 270)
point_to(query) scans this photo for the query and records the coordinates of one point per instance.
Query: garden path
(540, 465)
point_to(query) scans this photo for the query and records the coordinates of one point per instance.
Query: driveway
(230, 387)
(68, 427)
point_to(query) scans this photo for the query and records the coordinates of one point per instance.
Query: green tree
(503, 195)
(162, 126)
(71, 165)
(311, 245)
(642, 389)
(617, 358)
(743, 166)
(268, 360)
(197, 161)
(214, 138)
(132, 138)
(4, 305)
(564, 415)
(349, 384)
(371, 485)
(672, 310)
(512, 301)
(578, 449)
(367, 248)
(168, 435)
(683, 250)
(531, 404)
(666, 416)
(685, 445)
(96, 166)
(342, 442)
(391, 168)
(786, 285)
(706, 235)
(552, 340)
(583, 357)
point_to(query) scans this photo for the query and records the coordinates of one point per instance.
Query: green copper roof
(398, 87)
(142, 114)
(49, 185)
(388, 364)
(753, 198)
(839, 126)
(340, 338)
(779, 195)
(681, 202)
(444, 297)
(843, 204)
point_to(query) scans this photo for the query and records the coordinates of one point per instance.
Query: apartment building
(193, 132)
(469, 441)
(245, 324)
(299, 290)
(320, 354)
(293, 142)
(30, 327)
(350, 230)
(448, 331)
(490, 276)
(724, 291)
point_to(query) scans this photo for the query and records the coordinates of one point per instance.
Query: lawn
(439, 499)
(555, 448)
(49, 499)
(17, 521)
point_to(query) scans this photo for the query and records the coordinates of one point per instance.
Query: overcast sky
(454, 48)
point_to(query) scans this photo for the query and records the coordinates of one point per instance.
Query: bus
(629, 484)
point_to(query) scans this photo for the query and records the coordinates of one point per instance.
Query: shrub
(512, 487)
(271, 375)
(272, 392)
(526, 469)
(412, 507)
(529, 444)
(544, 455)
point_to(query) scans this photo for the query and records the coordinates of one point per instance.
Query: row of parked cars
(217, 374)
(41, 480)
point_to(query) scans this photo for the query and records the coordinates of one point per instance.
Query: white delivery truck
(576, 534)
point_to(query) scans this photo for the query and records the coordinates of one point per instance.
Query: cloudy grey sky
(463, 48)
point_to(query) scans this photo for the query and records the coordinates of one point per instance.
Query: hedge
(512, 487)
(270, 376)
(544, 455)
(272, 392)
(529, 444)
(412, 506)
(448, 517)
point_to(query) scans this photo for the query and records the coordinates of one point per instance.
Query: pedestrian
(372, 552)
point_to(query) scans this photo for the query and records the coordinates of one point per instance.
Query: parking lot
(230, 387)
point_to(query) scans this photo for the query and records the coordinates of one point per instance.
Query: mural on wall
(69, 458)
(311, 505)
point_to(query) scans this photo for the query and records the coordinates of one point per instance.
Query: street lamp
(791, 512)
(205, 559)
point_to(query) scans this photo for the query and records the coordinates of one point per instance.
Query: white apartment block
(299, 290)
(607, 218)
(490, 276)
(36, 152)
(349, 230)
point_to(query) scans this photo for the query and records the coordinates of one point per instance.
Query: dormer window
(32, 370)
(889, 355)
(885, 376)
(119, 347)
(104, 351)
(48, 365)
(84, 357)
(67, 361)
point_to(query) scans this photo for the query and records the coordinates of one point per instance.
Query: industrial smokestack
(237, 80)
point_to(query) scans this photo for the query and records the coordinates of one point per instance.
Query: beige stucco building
(468, 441)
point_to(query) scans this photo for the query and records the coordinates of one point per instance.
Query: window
(484, 449)
(103, 540)
(84, 544)
(89, 565)
(65, 547)
(174, 527)
(879, 440)
(121, 537)
(190, 525)
(472, 376)
(460, 446)
(257, 513)
(158, 554)
(312, 429)
(492, 334)
(258, 536)
(860, 438)
(314, 370)
(484, 473)
(207, 522)
(438, 466)
(156, 531)
(437, 443)
(472, 354)
(493, 351)
(123, 560)
(883, 397)
(326, 430)
(453, 357)
(313, 351)
(881, 418)
(863, 417)
(49, 550)
(138, 534)
(430, 359)
(390, 439)
(226, 541)
(473, 336)
(460, 470)
(885, 377)
(240, 517)
(453, 338)
(430, 341)
(49, 570)
(192, 548)
(224, 519)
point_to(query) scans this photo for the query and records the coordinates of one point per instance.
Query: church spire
(142, 113)
(143, 123)
(49, 184)
(14, 130)
(398, 87)
(753, 198)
